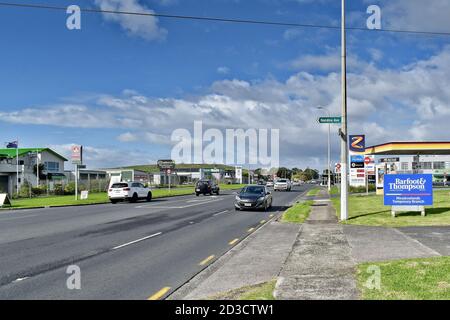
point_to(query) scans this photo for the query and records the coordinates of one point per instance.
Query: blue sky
(121, 85)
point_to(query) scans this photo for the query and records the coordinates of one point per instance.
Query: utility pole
(344, 135)
(329, 149)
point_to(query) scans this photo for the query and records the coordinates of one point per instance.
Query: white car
(269, 184)
(129, 191)
(282, 185)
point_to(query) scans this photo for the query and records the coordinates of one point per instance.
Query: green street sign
(330, 120)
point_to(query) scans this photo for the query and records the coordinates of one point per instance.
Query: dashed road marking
(232, 242)
(219, 213)
(263, 221)
(251, 230)
(158, 295)
(207, 260)
(136, 241)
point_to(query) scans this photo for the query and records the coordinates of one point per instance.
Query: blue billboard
(357, 143)
(408, 190)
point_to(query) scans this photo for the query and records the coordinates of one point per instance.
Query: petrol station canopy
(410, 148)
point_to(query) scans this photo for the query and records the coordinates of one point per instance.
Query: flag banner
(12, 145)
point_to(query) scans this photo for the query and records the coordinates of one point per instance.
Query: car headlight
(237, 198)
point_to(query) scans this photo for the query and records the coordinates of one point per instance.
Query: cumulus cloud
(410, 102)
(146, 27)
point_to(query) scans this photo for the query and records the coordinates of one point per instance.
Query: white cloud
(411, 102)
(223, 70)
(146, 27)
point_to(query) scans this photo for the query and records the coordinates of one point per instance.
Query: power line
(222, 19)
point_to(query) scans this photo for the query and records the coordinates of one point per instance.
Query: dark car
(206, 187)
(253, 197)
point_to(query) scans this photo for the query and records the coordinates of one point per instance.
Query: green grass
(334, 191)
(313, 192)
(370, 210)
(99, 198)
(263, 291)
(298, 213)
(412, 279)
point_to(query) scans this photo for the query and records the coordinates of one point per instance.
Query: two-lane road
(124, 251)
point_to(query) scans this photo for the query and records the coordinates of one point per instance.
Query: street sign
(77, 154)
(330, 120)
(166, 164)
(408, 190)
(367, 160)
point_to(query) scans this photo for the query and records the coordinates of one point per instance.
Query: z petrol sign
(408, 190)
(358, 143)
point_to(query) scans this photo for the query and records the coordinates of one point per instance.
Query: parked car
(206, 187)
(261, 183)
(269, 184)
(282, 185)
(253, 197)
(129, 191)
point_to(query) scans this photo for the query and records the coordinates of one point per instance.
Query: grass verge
(412, 279)
(313, 192)
(263, 291)
(298, 213)
(98, 198)
(370, 210)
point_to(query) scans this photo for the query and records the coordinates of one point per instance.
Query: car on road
(269, 184)
(129, 191)
(206, 187)
(253, 197)
(261, 183)
(282, 185)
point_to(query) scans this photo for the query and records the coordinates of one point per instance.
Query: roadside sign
(166, 164)
(357, 143)
(330, 120)
(367, 160)
(77, 155)
(408, 190)
(84, 195)
(4, 199)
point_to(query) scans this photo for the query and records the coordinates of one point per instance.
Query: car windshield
(253, 190)
(282, 181)
(119, 185)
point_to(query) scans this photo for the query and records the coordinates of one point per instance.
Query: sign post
(77, 160)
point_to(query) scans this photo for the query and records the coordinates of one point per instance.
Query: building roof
(411, 148)
(11, 153)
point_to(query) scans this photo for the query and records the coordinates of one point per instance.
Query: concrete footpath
(320, 265)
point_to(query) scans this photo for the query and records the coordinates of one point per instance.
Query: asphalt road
(124, 251)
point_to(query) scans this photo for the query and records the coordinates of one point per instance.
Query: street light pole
(344, 137)
(329, 149)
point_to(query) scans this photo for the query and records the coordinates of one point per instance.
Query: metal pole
(76, 182)
(329, 157)
(344, 138)
(17, 167)
(37, 168)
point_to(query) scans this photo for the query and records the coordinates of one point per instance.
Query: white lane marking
(219, 213)
(20, 279)
(179, 207)
(136, 241)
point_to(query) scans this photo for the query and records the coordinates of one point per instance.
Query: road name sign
(330, 120)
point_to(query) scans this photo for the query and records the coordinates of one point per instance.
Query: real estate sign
(408, 190)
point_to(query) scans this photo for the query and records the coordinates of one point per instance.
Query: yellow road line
(233, 242)
(206, 260)
(251, 229)
(263, 221)
(159, 294)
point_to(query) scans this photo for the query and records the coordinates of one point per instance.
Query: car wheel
(149, 197)
(237, 209)
(217, 192)
(113, 201)
(197, 194)
(134, 198)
